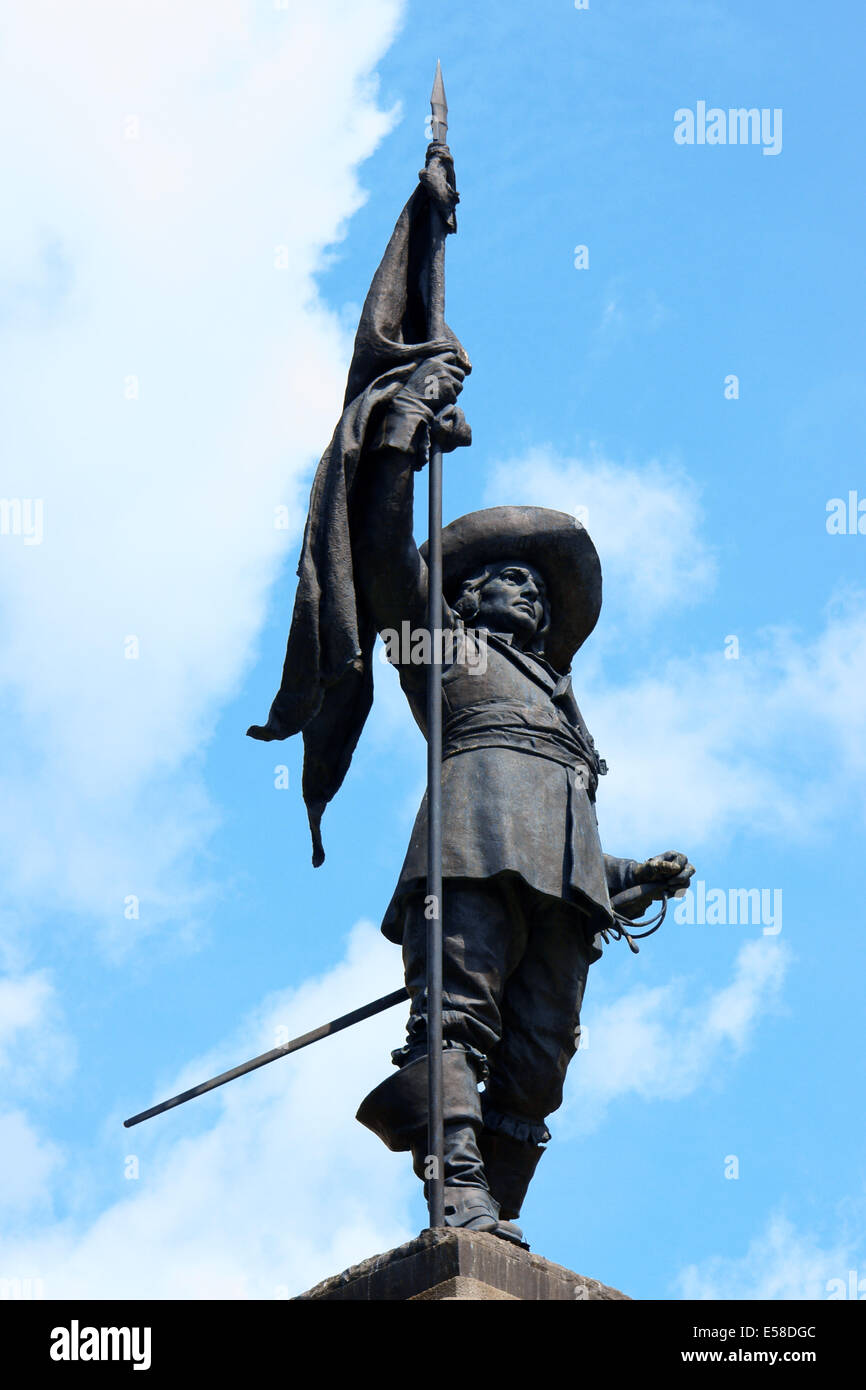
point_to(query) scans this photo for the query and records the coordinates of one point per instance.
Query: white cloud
(33, 1041)
(645, 523)
(655, 1044)
(36, 1053)
(22, 1003)
(707, 747)
(279, 1188)
(781, 1262)
(154, 258)
(27, 1164)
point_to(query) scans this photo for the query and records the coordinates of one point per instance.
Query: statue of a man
(526, 887)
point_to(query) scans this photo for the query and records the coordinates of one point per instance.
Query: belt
(509, 724)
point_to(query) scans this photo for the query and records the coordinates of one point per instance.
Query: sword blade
(324, 1031)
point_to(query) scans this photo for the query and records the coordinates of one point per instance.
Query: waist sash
(511, 724)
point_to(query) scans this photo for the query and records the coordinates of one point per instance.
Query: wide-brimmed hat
(554, 543)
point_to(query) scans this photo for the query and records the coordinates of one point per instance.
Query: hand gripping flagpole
(436, 329)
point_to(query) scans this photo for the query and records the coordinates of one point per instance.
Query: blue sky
(196, 204)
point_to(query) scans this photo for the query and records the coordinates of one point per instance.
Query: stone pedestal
(452, 1265)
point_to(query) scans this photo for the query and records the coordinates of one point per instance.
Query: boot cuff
(404, 1056)
(524, 1130)
(397, 1109)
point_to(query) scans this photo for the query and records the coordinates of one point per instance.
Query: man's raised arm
(388, 567)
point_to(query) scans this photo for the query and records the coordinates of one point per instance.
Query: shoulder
(411, 650)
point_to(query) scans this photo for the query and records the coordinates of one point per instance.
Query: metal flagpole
(436, 313)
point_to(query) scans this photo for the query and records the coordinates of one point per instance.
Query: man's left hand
(670, 870)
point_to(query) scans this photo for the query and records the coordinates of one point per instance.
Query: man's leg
(484, 932)
(540, 1018)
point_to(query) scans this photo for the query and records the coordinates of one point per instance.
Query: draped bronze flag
(327, 685)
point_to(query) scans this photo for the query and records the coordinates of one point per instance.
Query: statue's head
(507, 596)
(527, 571)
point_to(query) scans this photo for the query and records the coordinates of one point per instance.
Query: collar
(508, 639)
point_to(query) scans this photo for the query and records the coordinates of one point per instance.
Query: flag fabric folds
(327, 683)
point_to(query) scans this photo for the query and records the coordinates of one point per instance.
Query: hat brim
(554, 543)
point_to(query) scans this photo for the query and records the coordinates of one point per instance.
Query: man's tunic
(519, 776)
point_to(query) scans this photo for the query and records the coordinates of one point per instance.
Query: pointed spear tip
(439, 104)
(438, 93)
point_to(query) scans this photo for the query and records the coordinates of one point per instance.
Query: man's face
(511, 601)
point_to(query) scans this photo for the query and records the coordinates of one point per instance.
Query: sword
(336, 1025)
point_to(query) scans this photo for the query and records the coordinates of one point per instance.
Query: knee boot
(510, 1165)
(397, 1111)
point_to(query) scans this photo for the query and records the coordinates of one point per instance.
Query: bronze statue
(526, 888)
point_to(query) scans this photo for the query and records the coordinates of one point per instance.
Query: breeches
(515, 967)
